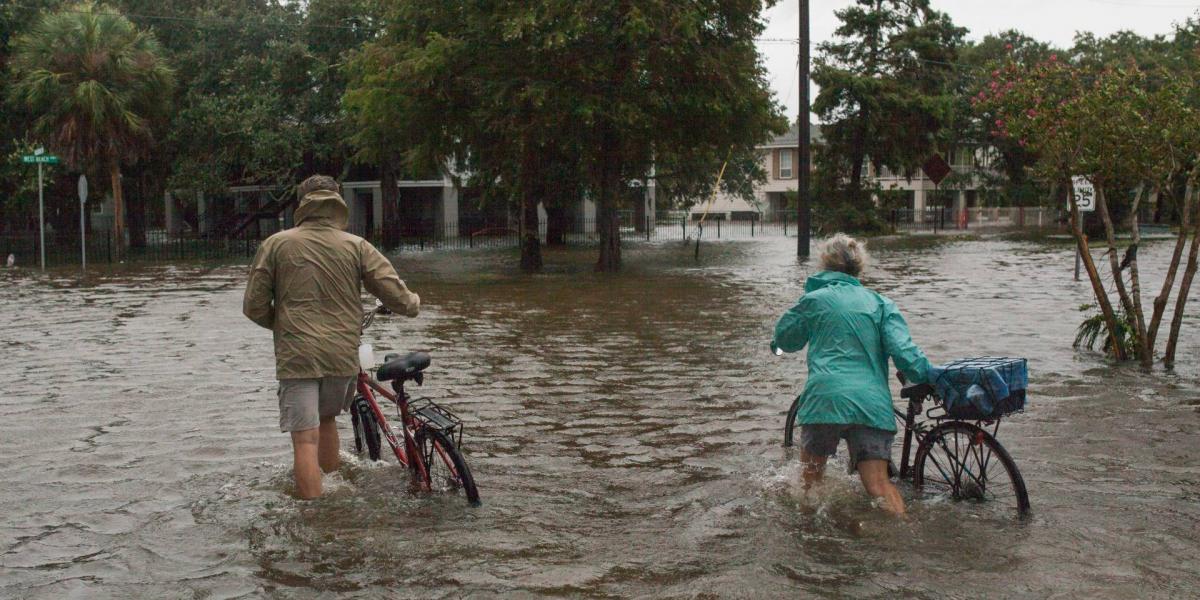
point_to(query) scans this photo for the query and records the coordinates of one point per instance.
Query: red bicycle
(432, 435)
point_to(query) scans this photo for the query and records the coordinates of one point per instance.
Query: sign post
(1084, 194)
(936, 169)
(83, 193)
(40, 157)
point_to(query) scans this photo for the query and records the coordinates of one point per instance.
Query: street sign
(936, 168)
(1085, 194)
(83, 189)
(44, 159)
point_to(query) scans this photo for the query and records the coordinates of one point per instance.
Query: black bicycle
(955, 458)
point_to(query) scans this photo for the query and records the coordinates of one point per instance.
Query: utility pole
(803, 201)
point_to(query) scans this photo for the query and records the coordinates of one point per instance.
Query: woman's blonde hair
(844, 254)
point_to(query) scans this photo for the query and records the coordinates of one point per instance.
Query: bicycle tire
(366, 428)
(955, 458)
(789, 427)
(445, 464)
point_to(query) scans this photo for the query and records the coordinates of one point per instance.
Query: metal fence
(63, 247)
(940, 219)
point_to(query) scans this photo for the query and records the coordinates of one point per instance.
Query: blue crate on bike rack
(982, 388)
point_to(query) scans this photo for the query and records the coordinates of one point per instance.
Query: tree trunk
(1160, 302)
(858, 155)
(531, 248)
(1113, 259)
(390, 198)
(1085, 253)
(135, 208)
(118, 230)
(607, 227)
(1185, 286)
(556, 226)
(1145, 351)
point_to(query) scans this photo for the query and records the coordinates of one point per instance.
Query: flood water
(624, 430)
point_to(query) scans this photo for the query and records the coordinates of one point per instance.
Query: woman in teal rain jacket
(850, 332)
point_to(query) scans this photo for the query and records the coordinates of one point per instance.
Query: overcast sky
(1054, 21)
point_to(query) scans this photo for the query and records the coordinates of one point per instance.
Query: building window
(964, 157)
(785, 164)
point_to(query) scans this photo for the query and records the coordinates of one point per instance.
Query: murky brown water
(625, 431)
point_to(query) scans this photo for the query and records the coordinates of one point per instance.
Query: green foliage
(1093, 327)
(515, 91)
(256, 100)
(1116, 125)
(95, 83)
(1003, 174)
(886, 85)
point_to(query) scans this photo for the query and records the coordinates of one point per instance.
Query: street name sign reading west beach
(40, 157)
(43, 159)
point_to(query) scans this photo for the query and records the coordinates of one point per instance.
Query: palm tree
(95, 83)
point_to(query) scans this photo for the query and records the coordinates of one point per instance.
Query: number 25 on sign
(1085, 194)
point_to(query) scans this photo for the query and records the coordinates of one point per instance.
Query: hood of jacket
(825, 278)
(322, 208)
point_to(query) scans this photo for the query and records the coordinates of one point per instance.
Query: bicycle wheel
(961, 461)
(448, 470)
(789, 427)
(366, 428)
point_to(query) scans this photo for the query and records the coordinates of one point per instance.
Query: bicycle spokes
(961, 463)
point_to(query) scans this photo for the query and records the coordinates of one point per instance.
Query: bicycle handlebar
(369, 316)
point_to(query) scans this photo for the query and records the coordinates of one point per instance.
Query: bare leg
(874, 475)
(814, 468)
(305, 464)
(327, 448)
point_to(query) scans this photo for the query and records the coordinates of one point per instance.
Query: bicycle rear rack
(436, 416)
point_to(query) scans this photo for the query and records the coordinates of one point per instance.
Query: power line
(1136, 4)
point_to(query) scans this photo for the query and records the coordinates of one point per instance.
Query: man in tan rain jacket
(305, 286)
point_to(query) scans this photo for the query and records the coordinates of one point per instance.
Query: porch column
(201, 213)
(589, 215)
(918, 205)
(174, 221)
(651, 203)
(448, 217)
(377, 210)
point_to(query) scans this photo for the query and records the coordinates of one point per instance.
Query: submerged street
(625, 432)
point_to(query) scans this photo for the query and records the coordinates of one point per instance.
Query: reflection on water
(624, 429)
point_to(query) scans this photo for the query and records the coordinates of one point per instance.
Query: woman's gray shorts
(302, 402)
(866, 443)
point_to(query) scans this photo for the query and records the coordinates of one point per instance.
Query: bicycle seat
(402, 368)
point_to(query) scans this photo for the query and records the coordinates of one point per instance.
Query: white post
(82, 224)
(82, 239)
(41, 217)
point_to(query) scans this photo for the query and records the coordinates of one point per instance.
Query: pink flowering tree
(1133, 135)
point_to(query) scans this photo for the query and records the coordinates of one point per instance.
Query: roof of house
(791, 139)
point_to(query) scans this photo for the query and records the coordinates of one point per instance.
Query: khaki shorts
(302, 402)
(865, 443)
